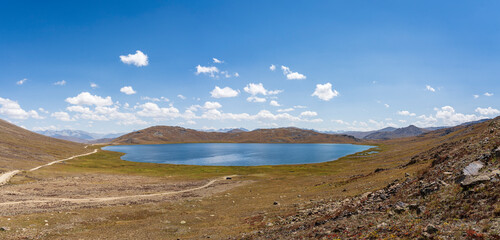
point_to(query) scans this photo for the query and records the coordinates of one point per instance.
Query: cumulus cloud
(386, 105)
(181, 97)
(85, 98)
(212, 105)
(274, 103)
(476, 96)
(309, 114)
(429, 88)
(406, 113)
(139, 59)
(448, 115)
(487, 111)
(62, 116)
(325, 92)
(292, 75)
(299, 106)
(164, 99)
(226, 92)
(487, 94)
(217, 60)
(22, 81)
(211, 71)
(13, 110)
(272, 67)
(127, 90)
(93, 85)
(60, 83)
(236, 74)
(258, 88)
(150, 109)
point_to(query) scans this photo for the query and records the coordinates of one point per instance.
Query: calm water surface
(236, 154)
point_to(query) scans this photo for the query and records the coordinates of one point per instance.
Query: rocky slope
(20, 148)
(166, 134)
(455, 195)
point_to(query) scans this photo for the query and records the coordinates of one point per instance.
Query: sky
(119, 66)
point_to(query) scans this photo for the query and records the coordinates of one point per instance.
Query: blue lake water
(236, 154)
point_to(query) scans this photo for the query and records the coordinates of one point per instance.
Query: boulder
(473, 168)
(431, 229)
(471, 181)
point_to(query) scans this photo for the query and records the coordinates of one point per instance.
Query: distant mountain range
(168, 134)
(227, 130)
(80, 136)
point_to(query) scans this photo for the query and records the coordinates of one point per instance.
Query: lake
(236, 154)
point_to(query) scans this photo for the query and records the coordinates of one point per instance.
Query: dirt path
(4, 178)
(106, 199)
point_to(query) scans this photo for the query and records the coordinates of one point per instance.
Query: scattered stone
(473, 168)
(496, 152)
(447, 173)
(269, 224)
(183, 222)
(431, 229)
(2, 229)
(382, 225)
(276, 203)
(407, 174)
(228, 178)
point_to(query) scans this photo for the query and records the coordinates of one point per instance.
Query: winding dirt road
(5, 178)
(106, 199)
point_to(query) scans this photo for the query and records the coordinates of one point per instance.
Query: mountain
(20, 148)
(168, 134)
(80, 136)
(225, 130)
(409, 131)
(360, 135)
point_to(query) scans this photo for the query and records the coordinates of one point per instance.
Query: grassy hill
(20, 148)
(167, 134)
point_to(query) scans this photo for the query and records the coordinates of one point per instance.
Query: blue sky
(339, 65)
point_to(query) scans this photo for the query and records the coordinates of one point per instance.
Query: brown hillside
(167, 134)
(21, 149)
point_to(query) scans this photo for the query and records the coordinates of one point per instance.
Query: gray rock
(473, 168)
(471, 181)
(496, 152)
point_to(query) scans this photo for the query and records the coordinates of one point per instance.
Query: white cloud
(127, 90)
(63, 116)
(217, 60)
(487, 111)
(258, 88)
(236, 74)
(299, 106)
(85, 98)
(272, 67)
(226, 92)
(448, 115)
(181, 97)
(386, 105)
(429, 88)
(274, 103)
(406, 113)
(139, 59)
(93, 85)
(309, 114)
(286, 110)
(150, 109)
(292, 75)
(211, 71)
(22, 81)
(487, 94)
(212, 105)
(60, 83)
(13, 110)
(340, 121)
(256, 99)
(476, 96)
(324, 92)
